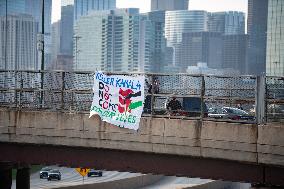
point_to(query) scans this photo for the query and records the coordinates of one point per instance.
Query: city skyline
(207, 5)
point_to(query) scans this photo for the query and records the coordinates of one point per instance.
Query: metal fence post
(41, 88)
(152, 95)
(260, 99)
(21, 90)
(62, 89)
(202, 93)
(16, 89)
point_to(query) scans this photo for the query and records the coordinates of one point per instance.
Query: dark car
(94, 172)
(44, 172)
(230, 113)
(54, 175)
(192, 105)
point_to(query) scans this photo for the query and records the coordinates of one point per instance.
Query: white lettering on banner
(118, 99)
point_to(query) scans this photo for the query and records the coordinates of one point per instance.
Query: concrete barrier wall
(270, 144)
(232, 141)
(127, 183)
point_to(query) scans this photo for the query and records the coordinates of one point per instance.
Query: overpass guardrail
(201, 96)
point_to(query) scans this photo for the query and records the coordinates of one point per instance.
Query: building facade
(109, 41)
(83, 7)
(200, 47)
(55, 41)
(34, 9)
(275, 39)
(152, 42)
(257, 28)
(227, 23)
(66, 37)
(234, 52)
(21, 37)
(178, 23)
(169, 5)
(13, 7)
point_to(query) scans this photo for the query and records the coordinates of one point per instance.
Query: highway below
(70, 177)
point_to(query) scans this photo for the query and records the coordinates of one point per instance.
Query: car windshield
(54, 171)
(46, 169)
(236, 111)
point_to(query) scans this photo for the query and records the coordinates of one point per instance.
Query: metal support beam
(5, 176)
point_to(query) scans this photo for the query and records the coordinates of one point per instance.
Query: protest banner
(118, 99)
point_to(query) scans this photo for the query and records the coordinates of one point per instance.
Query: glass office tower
(83, 7)
(275, 38)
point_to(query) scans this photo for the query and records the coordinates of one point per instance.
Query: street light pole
(42, 54)
(6, 31)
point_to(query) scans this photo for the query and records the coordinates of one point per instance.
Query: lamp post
(42, 54)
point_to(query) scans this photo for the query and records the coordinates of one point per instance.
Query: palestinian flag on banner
(127, 101)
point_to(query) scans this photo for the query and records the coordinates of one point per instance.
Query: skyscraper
(227, 23)
(13, 7)
(234, 52)
(55, 41)
(169, 5)
(257, 28)
(66, 36)
(275, 38)
(200, 47)
(179, 23)
(33, 8)
(152, 42)
(83, 7)
(21, 42)
(109, 41)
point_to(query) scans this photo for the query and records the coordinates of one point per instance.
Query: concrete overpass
(193, 148)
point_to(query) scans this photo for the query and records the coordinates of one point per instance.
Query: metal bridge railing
(201, 96)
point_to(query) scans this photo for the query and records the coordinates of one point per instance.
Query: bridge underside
(132, 161)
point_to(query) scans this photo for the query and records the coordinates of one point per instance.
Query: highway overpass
(44, 120)
(193, 148)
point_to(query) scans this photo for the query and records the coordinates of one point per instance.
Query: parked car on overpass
(229, 113)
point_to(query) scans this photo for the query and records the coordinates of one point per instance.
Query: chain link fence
(200, 96)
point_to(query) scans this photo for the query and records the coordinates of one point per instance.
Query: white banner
(118, 99)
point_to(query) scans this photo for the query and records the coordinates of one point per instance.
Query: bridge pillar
(5, 176)
(23, 178)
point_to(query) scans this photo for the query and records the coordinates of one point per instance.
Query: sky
(145, 6)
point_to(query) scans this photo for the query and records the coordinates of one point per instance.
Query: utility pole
(6, 31)
(42, 54)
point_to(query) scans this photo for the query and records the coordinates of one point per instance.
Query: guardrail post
(202, 93)
(260, 99)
